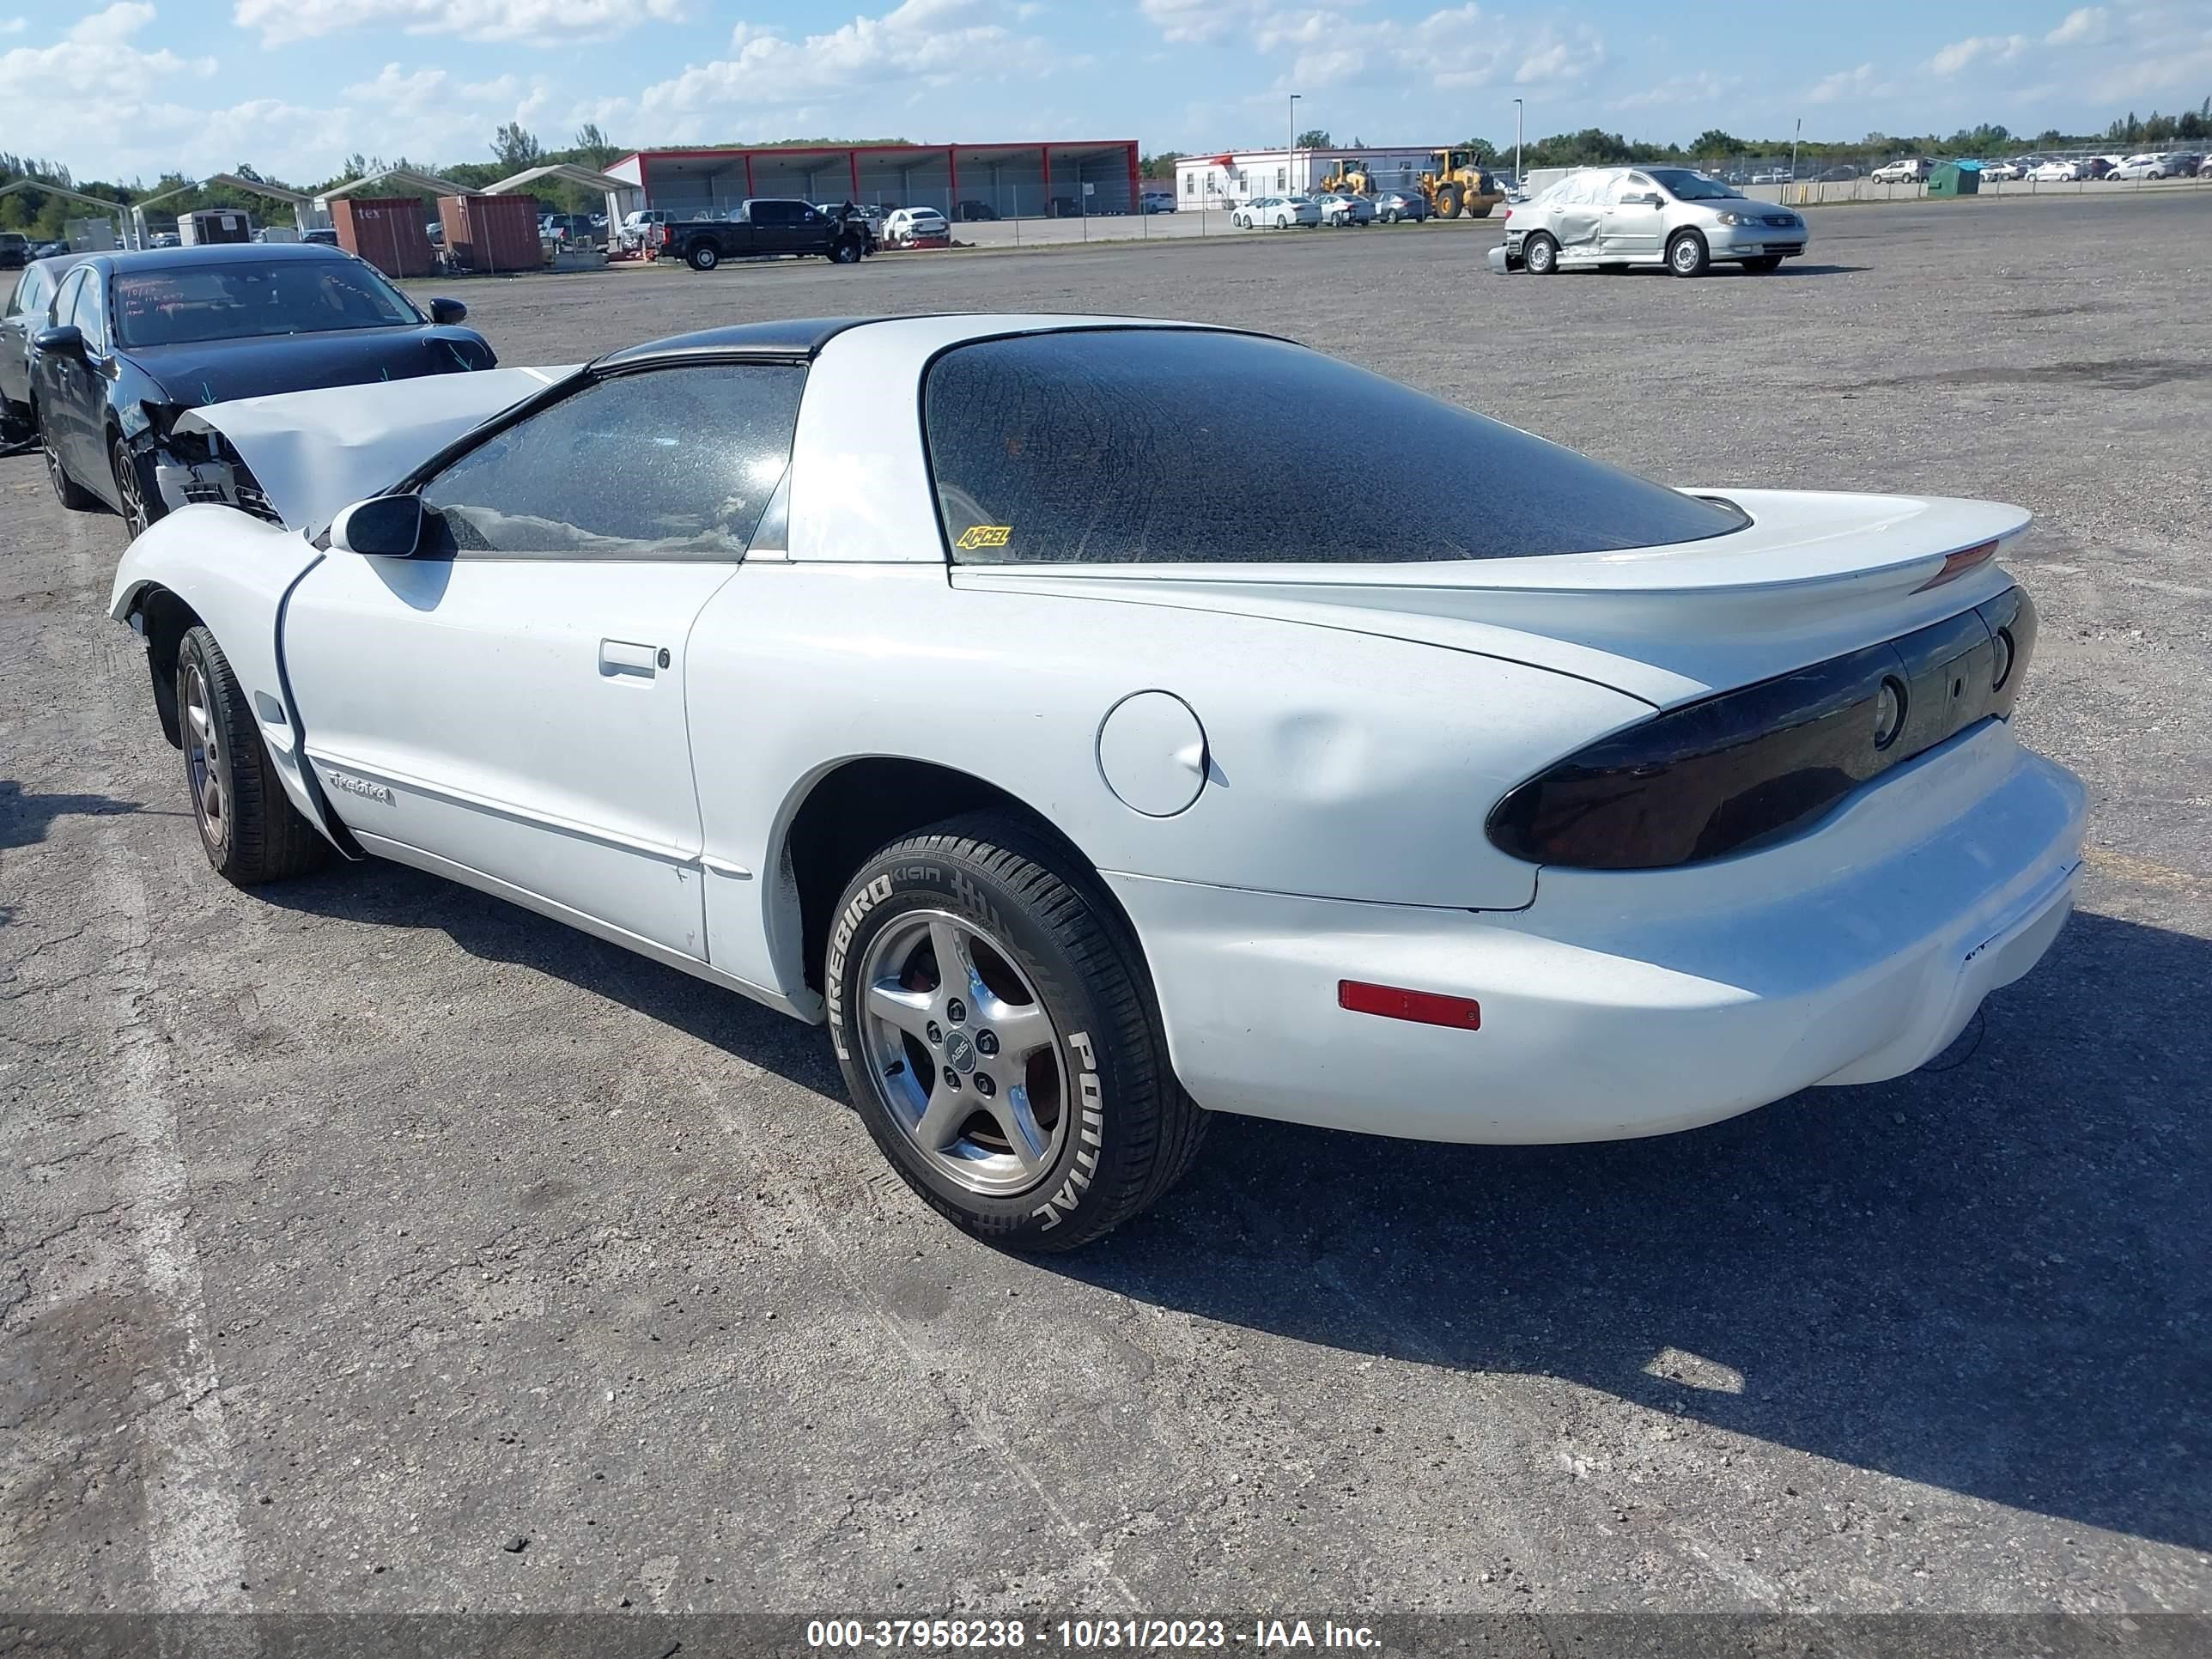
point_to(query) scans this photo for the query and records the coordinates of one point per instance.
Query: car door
(507, 706)
(1634, 220)
(89, 459)
(1578, 216)
(786, 228)
(68, 393)
(26, 316)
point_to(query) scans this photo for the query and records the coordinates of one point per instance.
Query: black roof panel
(219, 253)
(788, 336)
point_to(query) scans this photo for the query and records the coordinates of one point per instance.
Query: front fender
(235, 571)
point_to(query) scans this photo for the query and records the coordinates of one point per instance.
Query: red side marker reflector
(1422, 1007)
(1956, 565)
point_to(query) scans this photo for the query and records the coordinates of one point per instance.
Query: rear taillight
(1724, 774)
(1956, 565)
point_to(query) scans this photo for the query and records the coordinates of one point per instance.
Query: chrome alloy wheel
(57, 474)
(132, 488)
(961, 1053)
(203, 759)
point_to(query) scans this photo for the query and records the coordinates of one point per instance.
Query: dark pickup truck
(768, 228)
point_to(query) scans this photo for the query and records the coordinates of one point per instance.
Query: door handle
(626, 657)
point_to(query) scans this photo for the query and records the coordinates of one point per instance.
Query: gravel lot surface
(352, 1232)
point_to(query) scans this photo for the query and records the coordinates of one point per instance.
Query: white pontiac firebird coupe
(934, 678)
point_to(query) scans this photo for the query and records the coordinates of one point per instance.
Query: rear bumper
(1634, 1003)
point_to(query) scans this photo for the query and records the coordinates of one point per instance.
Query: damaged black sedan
(131, 341)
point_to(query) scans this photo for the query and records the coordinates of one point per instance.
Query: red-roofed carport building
(1005, 182)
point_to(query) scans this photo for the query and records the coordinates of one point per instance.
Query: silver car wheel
(204, 760)
(57, 474)
(961, 1052)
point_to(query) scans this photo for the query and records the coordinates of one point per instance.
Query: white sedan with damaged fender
(1678, 218)
(917, 678)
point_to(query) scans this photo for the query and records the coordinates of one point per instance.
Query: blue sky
(293, 86)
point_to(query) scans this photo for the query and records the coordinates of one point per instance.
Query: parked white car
(918, 678)
(2145, 166)
(1276, 213)
(2003, 172)
(1676, 217)
(2058, 172)
(1909, 170)
(1347, 209)
(914, 224)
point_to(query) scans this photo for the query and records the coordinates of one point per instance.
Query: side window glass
(664, 464)
(92, 313)
(65, 299)
(30, 295)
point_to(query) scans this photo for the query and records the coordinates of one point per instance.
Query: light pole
(1290, 149)
(1793, 137)
(1520, 178)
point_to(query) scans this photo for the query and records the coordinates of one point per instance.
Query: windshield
(1151, 446)
(176, 305)
(1685, 186)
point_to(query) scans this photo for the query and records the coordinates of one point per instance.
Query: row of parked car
(1334, 208)
(2061, 169)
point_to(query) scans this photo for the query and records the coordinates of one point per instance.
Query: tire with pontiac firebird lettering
(1024, 1091)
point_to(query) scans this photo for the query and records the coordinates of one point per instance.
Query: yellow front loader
(1460, 185)
(1351, 178)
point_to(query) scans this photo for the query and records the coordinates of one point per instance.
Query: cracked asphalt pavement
(353, 1230)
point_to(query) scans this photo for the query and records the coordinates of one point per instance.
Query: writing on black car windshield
(1685, 186)
(184, 304)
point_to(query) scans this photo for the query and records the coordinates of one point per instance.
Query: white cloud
(924, 42)
(525, 22)
(1702, 88)
(2084, 27)
(93, 62)
(1554, 57)
(403, 92)
(1843, 84)
(1977, 48)
(14, 25)
(1460, 47)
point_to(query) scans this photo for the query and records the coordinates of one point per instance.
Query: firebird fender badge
(361, 786)
(984, 535)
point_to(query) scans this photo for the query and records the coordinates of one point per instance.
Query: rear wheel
(71, 494)
(1541, 254)
(248, 828)
(1448, 201)
(995, 1027)
(1686, 254)
(703, 255)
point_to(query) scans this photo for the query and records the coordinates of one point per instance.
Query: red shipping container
(492, 233)
(386, 232)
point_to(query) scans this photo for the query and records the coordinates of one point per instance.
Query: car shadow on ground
(1992, 1276)
(1989, 1277)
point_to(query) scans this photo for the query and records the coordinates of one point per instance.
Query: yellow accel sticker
(984, 535)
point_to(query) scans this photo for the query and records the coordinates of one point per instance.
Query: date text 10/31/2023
(1084, 1635)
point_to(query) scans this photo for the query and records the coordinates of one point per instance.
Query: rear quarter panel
(1338, 764)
